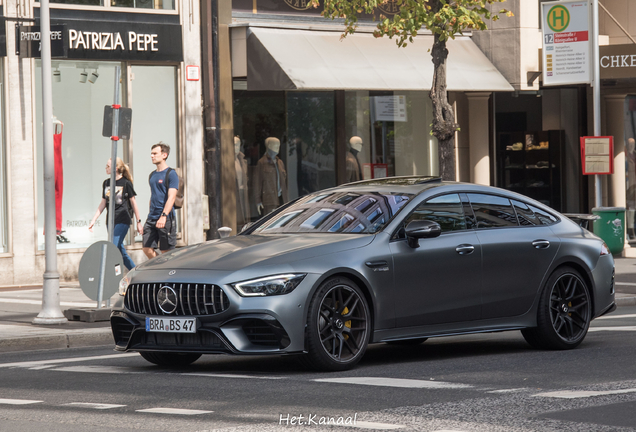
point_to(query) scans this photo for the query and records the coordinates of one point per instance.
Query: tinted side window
(446, 210)
(545, 217)
(492, 211)
(525, 215)
(531, 215)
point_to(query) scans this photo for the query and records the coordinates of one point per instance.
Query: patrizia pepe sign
(106, 41)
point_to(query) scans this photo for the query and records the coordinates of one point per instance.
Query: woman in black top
(124, 201)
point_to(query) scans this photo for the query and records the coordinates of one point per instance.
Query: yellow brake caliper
(347, 323)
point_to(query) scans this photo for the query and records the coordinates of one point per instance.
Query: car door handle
(465, 249)
(541, 244)
(376, 264)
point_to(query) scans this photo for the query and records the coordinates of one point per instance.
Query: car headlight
(267, 286)
(123, 285)
(604, 249)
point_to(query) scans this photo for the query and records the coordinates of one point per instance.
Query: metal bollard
(224, 231)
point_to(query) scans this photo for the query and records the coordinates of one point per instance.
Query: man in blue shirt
(160, 228)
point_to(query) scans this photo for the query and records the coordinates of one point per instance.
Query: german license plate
(171, 325)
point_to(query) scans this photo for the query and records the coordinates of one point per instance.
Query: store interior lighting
(93, 77)
(83, 76)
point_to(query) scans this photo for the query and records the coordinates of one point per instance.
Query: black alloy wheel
(338, 326)
(169, 359)
(565, 312)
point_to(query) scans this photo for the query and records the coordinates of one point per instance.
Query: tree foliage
(445, 19)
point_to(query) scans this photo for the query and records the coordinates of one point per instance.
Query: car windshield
(337, 212)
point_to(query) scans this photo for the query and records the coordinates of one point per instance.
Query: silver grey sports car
(395, 260)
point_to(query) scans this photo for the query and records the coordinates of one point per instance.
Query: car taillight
(604, 249)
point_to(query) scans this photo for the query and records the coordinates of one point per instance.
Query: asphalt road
(490, 382)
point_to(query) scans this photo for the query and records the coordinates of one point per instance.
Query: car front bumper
(249, 325)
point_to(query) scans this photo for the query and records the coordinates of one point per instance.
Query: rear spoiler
(581, 218)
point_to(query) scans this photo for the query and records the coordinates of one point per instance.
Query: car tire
(407, 342)
(564, 313)
(168, 359)
(338, 326)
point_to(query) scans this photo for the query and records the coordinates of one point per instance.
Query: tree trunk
(444, 125)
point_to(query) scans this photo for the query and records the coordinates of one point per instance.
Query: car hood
(234, 253)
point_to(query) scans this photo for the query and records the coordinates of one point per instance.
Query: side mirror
(421, 229)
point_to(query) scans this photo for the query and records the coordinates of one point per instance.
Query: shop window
(388, 134)
(79, 2)
(144, 4)
(312, 142)
(78, 105)
(141, 4)
(297, 130)
(154, 105)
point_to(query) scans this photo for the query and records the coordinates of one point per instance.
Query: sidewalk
(20, 305)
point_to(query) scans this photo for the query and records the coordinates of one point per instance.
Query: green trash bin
(611, 227)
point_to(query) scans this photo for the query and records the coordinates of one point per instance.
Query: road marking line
(212, 375)
(30, 364)
(99, 406)
(173, 411)
(100, 369)
(572, 394)
(18, 401)
(395, 382)
(617, 316)
(625, 283)
(617, 328)
(371, 425)
(515, 390)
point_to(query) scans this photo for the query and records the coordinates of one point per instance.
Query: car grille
(192, 299)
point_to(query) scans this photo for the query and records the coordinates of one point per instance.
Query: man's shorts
(163, 238)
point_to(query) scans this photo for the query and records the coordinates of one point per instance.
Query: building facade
(558, 116)
(345, 109)
(152, 42)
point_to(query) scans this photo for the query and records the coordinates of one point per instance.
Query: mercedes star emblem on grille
(167, 299)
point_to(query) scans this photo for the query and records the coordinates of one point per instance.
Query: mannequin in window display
(242, 197)
(270, 179)
(354, 172)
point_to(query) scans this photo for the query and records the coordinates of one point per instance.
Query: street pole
(51, 312)
(113, 187)
(597, 96)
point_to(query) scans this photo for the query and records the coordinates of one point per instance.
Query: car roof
(406, 184)
(415, 185)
